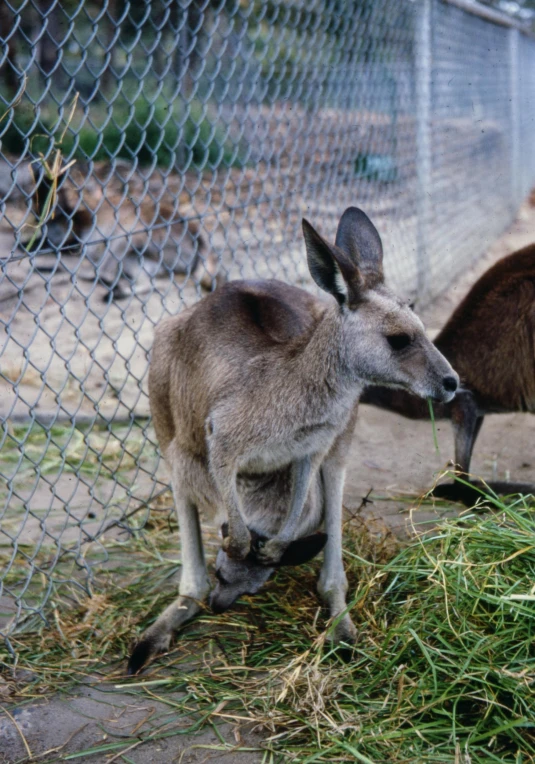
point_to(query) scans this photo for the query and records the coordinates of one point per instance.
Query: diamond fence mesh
(152, 150)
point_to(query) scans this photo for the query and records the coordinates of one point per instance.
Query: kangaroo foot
(476, 490)
(344, 637)
(458, 492)
(157, 638)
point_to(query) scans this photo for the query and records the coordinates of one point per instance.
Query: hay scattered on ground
(443, 671)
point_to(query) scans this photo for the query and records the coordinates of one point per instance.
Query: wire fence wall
(152, 150)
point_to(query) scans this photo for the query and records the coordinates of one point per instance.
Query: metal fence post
(423, 140)
(516, 190)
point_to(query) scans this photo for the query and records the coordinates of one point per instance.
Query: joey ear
(304, 549)
(330, 267)
(359, 239)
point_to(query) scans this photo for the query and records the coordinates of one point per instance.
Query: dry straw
(443, 669)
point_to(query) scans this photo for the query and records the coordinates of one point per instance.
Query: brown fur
(490, 341)
(489, 338)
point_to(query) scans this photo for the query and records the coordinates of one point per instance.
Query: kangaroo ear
(359, 239)
(303, 549)
(331, 268)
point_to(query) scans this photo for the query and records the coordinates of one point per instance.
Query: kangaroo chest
(310, 438)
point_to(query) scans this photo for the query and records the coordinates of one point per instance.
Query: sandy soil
(95, 716)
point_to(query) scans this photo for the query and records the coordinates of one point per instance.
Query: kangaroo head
(237, 577)
(383, 341)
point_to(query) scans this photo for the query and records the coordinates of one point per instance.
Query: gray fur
(254, 393)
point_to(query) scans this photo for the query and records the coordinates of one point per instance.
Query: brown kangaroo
(490, 341)
(253, 393)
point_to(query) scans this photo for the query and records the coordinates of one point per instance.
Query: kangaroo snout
(220, 601)
(445, 387)
(450, 383)
(446, 379)
(430, 374)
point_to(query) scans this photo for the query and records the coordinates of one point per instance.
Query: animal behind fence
(490, 341)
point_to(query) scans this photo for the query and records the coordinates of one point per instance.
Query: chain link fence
(152, 150)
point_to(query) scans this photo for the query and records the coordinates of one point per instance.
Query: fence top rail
(490, 14)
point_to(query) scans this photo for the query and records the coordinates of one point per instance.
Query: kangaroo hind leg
(332, 584)
(193, 589)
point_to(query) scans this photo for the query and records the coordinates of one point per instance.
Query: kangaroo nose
(215, 605)
(221, 603)
(450, 384)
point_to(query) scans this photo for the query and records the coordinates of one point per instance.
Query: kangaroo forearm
(224, 474)
(302, 475)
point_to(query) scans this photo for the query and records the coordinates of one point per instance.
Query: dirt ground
(393, 457)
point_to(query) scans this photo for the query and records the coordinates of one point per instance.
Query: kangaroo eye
(398, 341)
(222, 580)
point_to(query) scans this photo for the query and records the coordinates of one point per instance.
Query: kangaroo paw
(270, 552)
(146, 649)
(237, 548)
(345, 631)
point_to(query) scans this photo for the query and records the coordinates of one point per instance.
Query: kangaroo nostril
(450, 384)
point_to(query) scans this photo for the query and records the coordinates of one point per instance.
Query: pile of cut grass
(443, 671)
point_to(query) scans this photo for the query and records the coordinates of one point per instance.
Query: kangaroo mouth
(438, 390)
(436, 395)
(445, 397)
(449, 390)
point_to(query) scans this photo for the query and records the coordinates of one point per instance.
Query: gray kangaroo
(490, 340)
(253, 393)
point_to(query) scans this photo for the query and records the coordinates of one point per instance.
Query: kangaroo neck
(322, 362)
